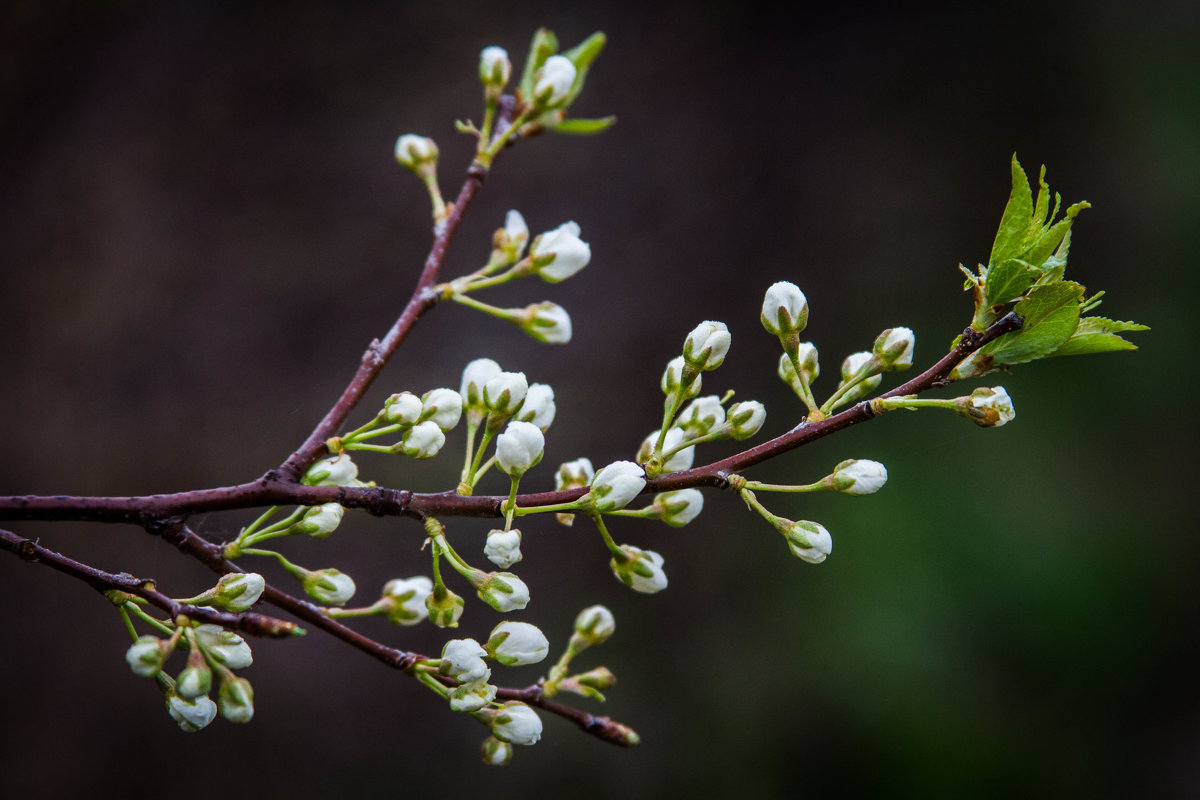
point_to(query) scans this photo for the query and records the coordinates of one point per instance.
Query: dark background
(202, 227)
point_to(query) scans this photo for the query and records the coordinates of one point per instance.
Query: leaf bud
(560, 253)
(406, 599)
(192, 715)
(615, 485)
(442, 407)
(641, 570)
(809, 541)
(593, 626)
(706, 346)
(893, 349)
(859, 476)
(538, 407)
(784, 309)
(503, 548)
(402, 409)
(516, 644)
(746, 418)
(680, 507)
(145, 656)
(236, 699)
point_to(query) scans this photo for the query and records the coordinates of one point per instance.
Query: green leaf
(582, 55)
(1047, 240)
(1051, 314)
(1018, 215)
(1041, 209)
(1093, 343)
(544, 45)
(1105, 325)
(584, 127)
(1008, 280)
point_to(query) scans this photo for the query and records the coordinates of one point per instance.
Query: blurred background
(202, 226)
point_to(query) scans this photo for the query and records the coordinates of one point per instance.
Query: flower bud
(512, 238)
(642, 571)
(472, 696)
(503, 548)
(672, 379)
(192, 715)
(442, 407)
(495, 752)
(594, 625)
(462, 660)
(547, 322)
(679, 508)
(415, 152)
(680, 461)
(807, 356)
(989, 408)
(706, 346)
(402, 409)
(225, 646)
(519, 448)
(423, 440)
(320, 521)
(494, 67)
(503, 591)
(538, 407)
(809, 541)
(598, 678)
(784, 309)
(504, 392)
(406, 599)
(615, 485)
(574, 474)
(560, 253)
(196, 678)
(332, 587)
(746, 418)
(517, 723)
(236, 700)
(854, 363)
(337, 470)
(859, 476)
(238, 591)
(444, 607)
(145, 656)
(701, 415)
(894, 349)
(475, 376)
(516, 644)
(553, 82)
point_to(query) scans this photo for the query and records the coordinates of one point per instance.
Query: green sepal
(582, 55)
(584, 127)
(1051, 314)
(1098, 335)
(544, 45)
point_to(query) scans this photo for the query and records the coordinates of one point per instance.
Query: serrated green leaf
(584, 127)
(1051, 314)
(1093, 343)
(1018, 214)
(1046, 242)
(1106, 325)
(1041, 209)
(1008, 280)
(544, 45)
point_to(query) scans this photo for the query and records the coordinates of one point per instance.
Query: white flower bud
(337, 470)
(851, 367)
(517, 723)
(407, 599)
(471, 697)
(504, 393)
(859, 476)
(809, 365)
(414, 152)
(746, 418)
(538, 407)
(516, 644)
(443, 407)
(503, 548)
(673, 376)
(475, 376)
(192, 715)
(679, 508)
(642, 571)
(504, 592)
(574, 474)
(553, 82)
(332, 587)
(894, 349)
(320, 521)
(402, 409)
(519, 447)
(145, 656)
(991, 408)
(236, 700)
(701, 415)
(494, 67)
(225, 646)
(707, 345)
(238, 591)
(446, 610)
(809, 541)
(784, 309)
(462, 660)
(423, 440)
(496, 753)
(560, 253)
(676, 463)
(615, 485)
(547, 322)
(516, 235)
(196, 678)
(595, 624)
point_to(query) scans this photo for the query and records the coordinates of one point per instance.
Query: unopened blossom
(472, 696)
(320, 521)
(145, 656)
(595, 624)
(706, 346)
(504, 592)
(574, 474)
(332, 587)
(894, 348)
(560, 253)
(195, 679)
(517, 723)
(680, 507)
(414, 151)
(553, 82)
(809, 541)
(236, 700)
(504, 392)
(672, 379)
(225, 646)
(515, 235)
(784, 309)
(641, 570)
(519, 447)
(496, 753)
(547, 322)
(494, 67)
(991, 407)
(701, 415)
(615, 485)
(238, 591)
(192, 715)
(810, 367)
(402, 409)
(680, 460)
(746, 418)
(539, 407)
(442, 407)
(503, 548)
(444, 607)
(462, 660)
(515, 644)
(423, 440)
(851, 366)
(406, 599)
(337, 470)
(474, 377)
(859, 476)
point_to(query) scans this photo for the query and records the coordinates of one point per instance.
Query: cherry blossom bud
(225, 646)
(445, 608)
(320, 521)
(192, 715)
(598, 678)
(642, 571)
(145, 656)
(809, 541)
(423, 440)
(679, 508)
(672, 378)
(332, 587)
(707, 345)
(402, 409)
(415, 152)
(615, 485)
(553, 82)
(503, 548)
(807, 356)
(594, 625)
(238, 591)
(574, 474)
(504, 392)
(894, 349)
(196, 678)
(516, 644)
(539, 407)
(337, 470)
(504, 592)
(519, 447)
(859, 476)
(462, 660)
(680, 461)
(746, 418)
(406, 599)
(472, 696)
(854, 363)
(236, 700)
(442, 407)
(560, 253)
(495, 752)
(989, 408)
(513, 237)
(494, 67)
(547, 322)
(517, 723)
(701, 415)
(475, 376)
(784, 309)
